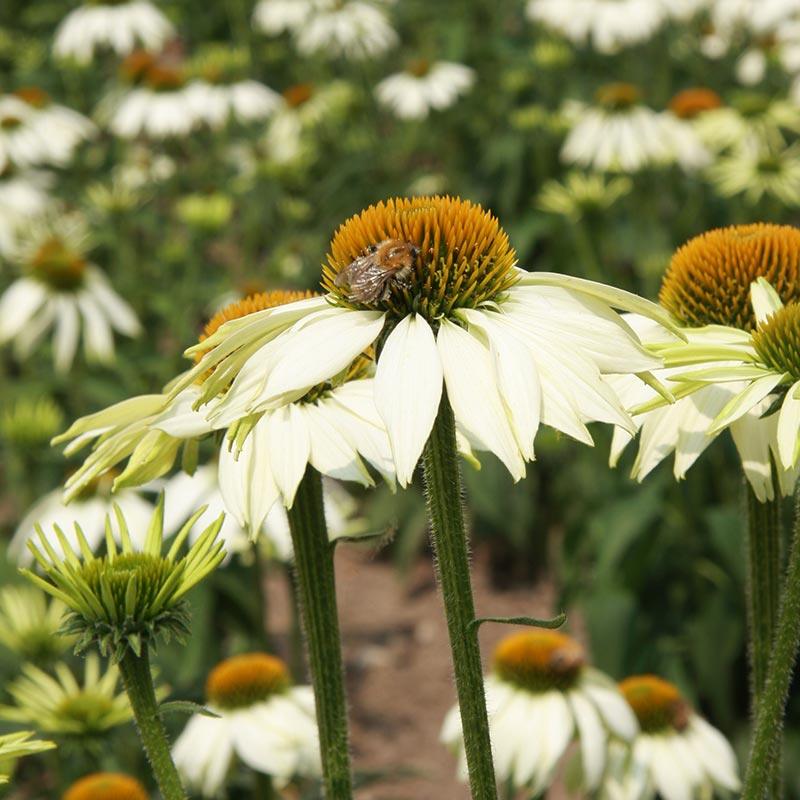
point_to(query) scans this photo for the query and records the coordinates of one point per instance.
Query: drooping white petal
(67, 333)
(592, 736)
(715, 753)
(289, 448)
(669, 773)
(408, 387)
(752, 436)
(745, 400)
(789, 427)
(331, 452)
(180, 418)
(557, 721)
(471, 381)
(19, 303)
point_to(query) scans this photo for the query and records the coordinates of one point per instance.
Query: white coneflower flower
(433, 281)
(118, 26)
(61, 289)
(619, 134)
(60, 705)
(677, 755)
(680, 121)
(608, 25)
(755, 169)
(332, 425)
(541, 697)
(351, 29)
(263, 721)
(578, 194)
(106, 786)
(156, 105)
(24, 196)
(708, 288)
(89, 510)
(424, 86)
(34, 131)
(756, 16)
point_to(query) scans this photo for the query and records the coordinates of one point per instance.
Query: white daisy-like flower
(157, 103)
(680, 123)
(720, 378)
(424, 86)
(619, 134)
(262, 721)
(89, 511)
(24, 196)
(541, 697)
(118, 26)
(756, 16)
(351, 29)
(245, 101)
(35, 131)
(333, 426)
(432, 281)
(677, 755)
(607, 25)
(61, 289)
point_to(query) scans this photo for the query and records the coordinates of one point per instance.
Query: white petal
(408, 387)
(593, 739)
(331, 452)
(472, 391)
(766, 301)
(18, 304)
(66, 335)
(289, 449)
(789, 427)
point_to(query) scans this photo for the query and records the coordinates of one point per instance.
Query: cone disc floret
(106, 786)
(618, 96)
(247, 679)
(432, 255)
(777, 341)
(125, 599)
(540, 660)
(708, 280)
(690, 103)
(657, 703)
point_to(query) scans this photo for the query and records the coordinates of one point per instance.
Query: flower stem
(443, 490)
(763, 586)
(765, 751)
(138, 682)
(313, 563)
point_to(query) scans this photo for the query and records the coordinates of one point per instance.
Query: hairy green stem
(763, 586)
(138, 682)
(316, 589)
(443, 490)
(765, 751)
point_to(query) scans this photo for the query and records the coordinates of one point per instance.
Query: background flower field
(651, 576)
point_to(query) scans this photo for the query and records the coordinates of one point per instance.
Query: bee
(370, 278)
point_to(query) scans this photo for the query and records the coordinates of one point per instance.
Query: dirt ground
(399, 676)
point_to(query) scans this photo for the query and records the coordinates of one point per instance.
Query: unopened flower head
(30, 624)
(261, 719)
(580, 194)
(542, 696)
(31, 422)
(126, 599)
(60, 705)
(16, 745)
(676, 754)
(106, 786)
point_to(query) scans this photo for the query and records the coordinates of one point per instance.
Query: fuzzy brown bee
(370, 278)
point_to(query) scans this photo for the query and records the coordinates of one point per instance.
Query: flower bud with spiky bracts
(127, 598)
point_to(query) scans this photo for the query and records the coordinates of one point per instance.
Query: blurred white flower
(541, 697)
(619, 134)
(424, 86)
(676, 755)
(351, 29)
(58, 289)
(35, 131)
(607, 25)
(262, 721)
(245, 101)
(120, 27)
(757, 16)
(89, 511)
(685, 145)
(24, 196)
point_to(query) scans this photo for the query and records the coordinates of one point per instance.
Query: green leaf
(531, 622)
(185, 707)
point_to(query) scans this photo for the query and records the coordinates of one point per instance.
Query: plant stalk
(763, 768)
(314, 572)
(443, 491)
(138, 682)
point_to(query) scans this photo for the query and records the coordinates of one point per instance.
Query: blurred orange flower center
(540, 660)
(658, 704)
(243, 680)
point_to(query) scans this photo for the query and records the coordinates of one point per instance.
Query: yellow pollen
(298, 94)
(33, 96)
(658, 704)
(708, 280)
(106, 786)
(460, 256)
(617, 96)
(251, 304)
(539, 660)
(692, 102)
(247, 679)
(56, 264)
